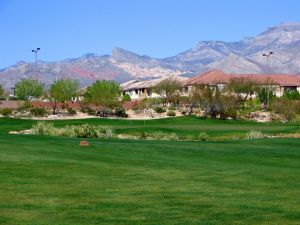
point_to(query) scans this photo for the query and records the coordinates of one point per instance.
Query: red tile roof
(219, 77)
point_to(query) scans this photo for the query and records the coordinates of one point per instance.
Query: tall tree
(104, 94)
(243, 87)
(28, 89)
(63, 90)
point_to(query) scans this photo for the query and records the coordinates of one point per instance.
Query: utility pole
(35, 51)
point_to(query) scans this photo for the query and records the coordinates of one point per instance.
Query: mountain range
(244, 56)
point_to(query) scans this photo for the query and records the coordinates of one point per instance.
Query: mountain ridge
(244, 56)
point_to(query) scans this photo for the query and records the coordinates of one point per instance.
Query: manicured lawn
(52, 180)
(182, 126)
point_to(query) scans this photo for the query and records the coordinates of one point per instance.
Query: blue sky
(158, 28)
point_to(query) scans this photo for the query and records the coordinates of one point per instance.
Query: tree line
(213, 100)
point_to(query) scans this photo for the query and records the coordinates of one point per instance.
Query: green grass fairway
(52, 180)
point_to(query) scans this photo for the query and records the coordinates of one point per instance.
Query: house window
(290, 88)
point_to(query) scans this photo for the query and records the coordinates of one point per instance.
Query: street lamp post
(36, 52)
(267, 55)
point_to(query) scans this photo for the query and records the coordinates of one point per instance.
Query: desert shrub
(254, 134)
(25, 106)
(159, 109)
(6, 111)
(90, 111)
(203, 136)
(171, 113)
(173, 108)
(286, 107)
(71, 111)
(120, 112)
(44, 128)
(126, 98)
(104, 112)
(183, 112)
(38, 111)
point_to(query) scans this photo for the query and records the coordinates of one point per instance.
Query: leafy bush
(171, 113)
(159, 109)
(203, 136)
(6, 112)
(38, 111)
(126, 98)
(120, 112)
(71, 112)
(254, 134)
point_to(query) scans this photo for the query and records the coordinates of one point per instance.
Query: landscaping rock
(84, 143)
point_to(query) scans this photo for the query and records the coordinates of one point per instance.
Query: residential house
(137, 89)
(280, 82)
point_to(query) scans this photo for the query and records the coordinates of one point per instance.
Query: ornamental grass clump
(254, 134)
(190, 137)
(81, 131)
(173, 137)
(44, 128)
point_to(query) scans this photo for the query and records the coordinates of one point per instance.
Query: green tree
(28, 89)
(265, 95)
(243, 87)
(63, 90)
(104, 94)
(266, 92)
(168, 89)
